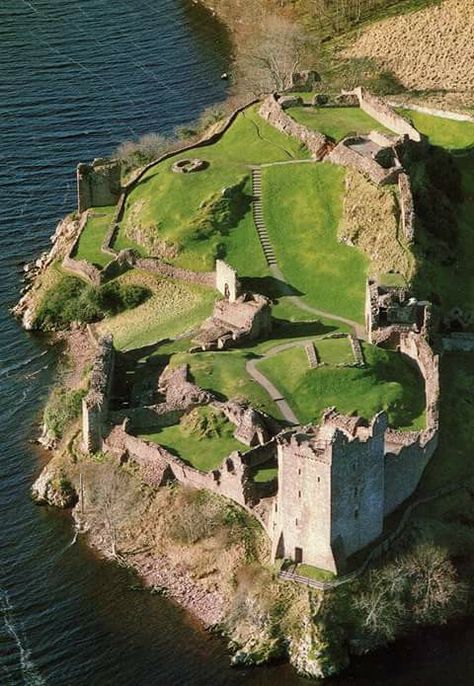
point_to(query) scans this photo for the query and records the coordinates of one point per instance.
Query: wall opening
(298, 555)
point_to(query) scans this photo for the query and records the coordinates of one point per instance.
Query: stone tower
(330, 499)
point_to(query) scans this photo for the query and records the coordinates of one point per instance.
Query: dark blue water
(76, 78)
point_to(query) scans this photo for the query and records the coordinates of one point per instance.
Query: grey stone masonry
(311, 355)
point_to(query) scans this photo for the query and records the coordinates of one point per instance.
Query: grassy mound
(173, 307)
(387, 383)
(303, 231)
(204, 437)
(370, 221)
(174, 202)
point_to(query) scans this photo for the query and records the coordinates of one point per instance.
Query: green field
(171, 202)
(205, 452)
(334, 351)
(335, 122)
(387, 383)
(93, 235)
(302, 211)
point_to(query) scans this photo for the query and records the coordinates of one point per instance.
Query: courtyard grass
(204, 452)
(93, 235)
(302, 210)
(174, 308)
(387, 383)
(334, 351)
(447, 133)
(266, 473)
(335, 122)
(310, 572)
(170, 201)
(224, 373)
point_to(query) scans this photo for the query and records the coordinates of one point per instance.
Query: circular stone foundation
(187, 166)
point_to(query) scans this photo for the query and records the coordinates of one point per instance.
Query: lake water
(76, 78)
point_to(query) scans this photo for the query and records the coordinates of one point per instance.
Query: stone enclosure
(337, 481)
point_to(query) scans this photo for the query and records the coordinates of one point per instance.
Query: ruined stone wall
(384, 114)
(95, 405)
(301, 518)
(272, 111)
(408, 453)
(227, 282)
(231, 480)
(82, 268)
(98, 184)
(407, 207)
(153, 264)
(357, 493)
(348, 157)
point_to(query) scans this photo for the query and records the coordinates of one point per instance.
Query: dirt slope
(430, 49)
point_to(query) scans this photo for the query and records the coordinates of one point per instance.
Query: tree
(272, 57)
(113, 497)
(421, 586)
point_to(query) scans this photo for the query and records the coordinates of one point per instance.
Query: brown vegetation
(428, 50)
(370, 222)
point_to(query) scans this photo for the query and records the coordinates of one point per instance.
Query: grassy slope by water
(302, 211)
(170, 200)
(387, 383)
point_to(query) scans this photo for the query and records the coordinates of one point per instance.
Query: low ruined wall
(272, 111)
(347, 157)
(408, 453)
(98, 184)
(407, 207)
(153, 264)
(384, 114)
(443, 114)
(95, 405)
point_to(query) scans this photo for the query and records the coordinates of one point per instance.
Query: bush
(72, 300)
(62, 408)
(386, 83)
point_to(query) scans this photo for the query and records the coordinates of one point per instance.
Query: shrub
(71, 300)
(62, 408)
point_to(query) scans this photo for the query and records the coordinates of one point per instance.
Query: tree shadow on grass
(270, 286)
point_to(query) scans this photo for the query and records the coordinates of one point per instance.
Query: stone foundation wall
(231, 479)
(95, 405)
(407, 207)
(347, 157)
(272, 111)
(379, 110)
(408, 453)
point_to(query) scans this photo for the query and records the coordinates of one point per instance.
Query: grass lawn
(315, 573)
(266, 472)
(302, 212)
(93, 235)
(454, 135)
(205, 452)
(336, 122)
(170, 200)
(387, 383)
(334, 351)
(174, 308)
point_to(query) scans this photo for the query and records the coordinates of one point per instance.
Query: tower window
(296, 522)
(299, 494)
(319, 479)
(356, 513)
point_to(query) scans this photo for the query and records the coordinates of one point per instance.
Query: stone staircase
(258, 217)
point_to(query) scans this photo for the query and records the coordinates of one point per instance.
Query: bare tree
(421, 586)
(113, 500)
(272, 56)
